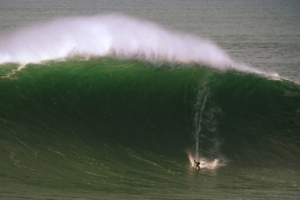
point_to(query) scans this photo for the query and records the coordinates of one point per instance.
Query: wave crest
(113, 34)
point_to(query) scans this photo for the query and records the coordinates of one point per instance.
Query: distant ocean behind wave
(111, 106)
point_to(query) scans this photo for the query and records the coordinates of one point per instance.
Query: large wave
(243, 118)
(106, 35)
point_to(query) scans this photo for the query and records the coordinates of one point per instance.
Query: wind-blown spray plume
(106, 35)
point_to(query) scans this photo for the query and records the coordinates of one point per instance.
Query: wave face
(108, 122)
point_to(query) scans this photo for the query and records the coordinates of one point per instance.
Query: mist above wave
(113, 34)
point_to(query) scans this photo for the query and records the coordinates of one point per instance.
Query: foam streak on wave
(113, 34)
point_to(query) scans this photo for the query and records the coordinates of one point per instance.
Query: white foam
(205, 163)
(104, 35)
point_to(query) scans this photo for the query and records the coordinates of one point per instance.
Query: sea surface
(115, 99)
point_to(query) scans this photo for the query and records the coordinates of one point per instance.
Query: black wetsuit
(197, 164)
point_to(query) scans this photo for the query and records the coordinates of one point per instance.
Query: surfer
(197, 164)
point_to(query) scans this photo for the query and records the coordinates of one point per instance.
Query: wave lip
(105, 35)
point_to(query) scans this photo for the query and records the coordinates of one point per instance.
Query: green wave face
(108, 124)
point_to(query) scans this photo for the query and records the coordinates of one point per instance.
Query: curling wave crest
(106, 35)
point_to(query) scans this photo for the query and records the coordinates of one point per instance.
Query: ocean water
(114, 99)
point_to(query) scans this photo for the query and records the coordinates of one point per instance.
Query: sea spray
(111, 35)
(199, 106)
(206, 130)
